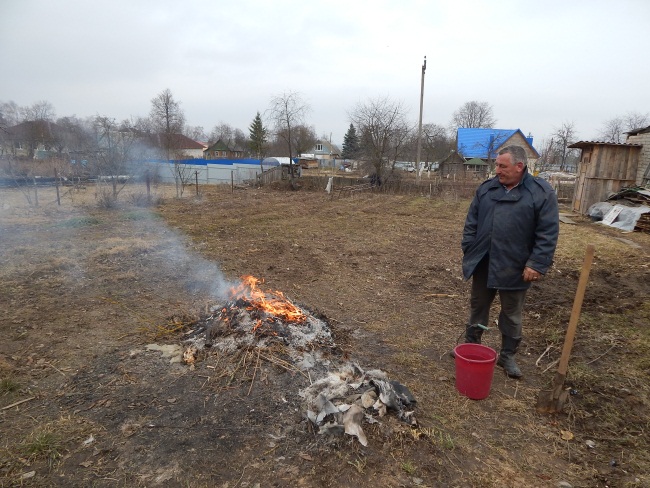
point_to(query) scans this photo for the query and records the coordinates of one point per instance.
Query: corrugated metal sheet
(583, 144)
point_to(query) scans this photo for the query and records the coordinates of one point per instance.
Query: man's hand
(530, 274)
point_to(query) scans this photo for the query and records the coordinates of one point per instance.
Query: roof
(476, 162)
(453, 157)
(179, 141)
(329, 147)
(220, 145)
(278, 161)
(475, 143)
(582, 144)
(641, 130)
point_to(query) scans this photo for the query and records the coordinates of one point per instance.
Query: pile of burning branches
(267, 316)
(255, 325)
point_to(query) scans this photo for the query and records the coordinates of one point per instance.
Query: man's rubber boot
(473, 335)
(507, 357)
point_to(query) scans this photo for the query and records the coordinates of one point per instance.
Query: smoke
(73, 247)
(197, 274)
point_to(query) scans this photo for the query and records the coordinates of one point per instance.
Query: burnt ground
(84, 289)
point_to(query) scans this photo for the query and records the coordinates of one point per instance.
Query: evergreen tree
(258, 136)
(350, 144)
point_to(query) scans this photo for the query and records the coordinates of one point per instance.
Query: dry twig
(257, 362)
(15, 404)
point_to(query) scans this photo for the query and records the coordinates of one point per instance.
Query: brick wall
(644, 157)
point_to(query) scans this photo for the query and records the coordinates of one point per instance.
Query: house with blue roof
(477, 148)
(485, 144)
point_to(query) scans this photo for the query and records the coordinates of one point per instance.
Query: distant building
(222, 150)
(485, 144)
(324, 153)
(180, 146)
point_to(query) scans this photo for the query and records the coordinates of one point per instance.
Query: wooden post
(419, 147)
(35, 193)
(232, 181)
(147, 178)
(196, 176)
(56, 183)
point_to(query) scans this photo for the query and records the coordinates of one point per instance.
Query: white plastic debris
(352, 423)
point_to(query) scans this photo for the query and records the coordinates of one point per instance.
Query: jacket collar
(525, 179)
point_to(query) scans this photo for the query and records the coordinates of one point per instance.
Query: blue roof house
(485, 144)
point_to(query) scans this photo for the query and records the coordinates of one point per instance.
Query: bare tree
(166, 114)
(9, 114)
(224, 132)
(614, 130)
(113, 149)
(636, 120)
(436, 144)
(547, 156)
(196, 133)
(41, 110)
(304, 138)
(287, 111)
(383, 129)
(473, 115)
(564, 136)
(168, 120)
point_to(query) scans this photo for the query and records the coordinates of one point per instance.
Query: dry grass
(373, 265)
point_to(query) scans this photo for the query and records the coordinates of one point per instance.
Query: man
(509, 240)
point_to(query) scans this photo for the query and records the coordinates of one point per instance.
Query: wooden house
(453, 166)
(222, 150)
(485, 144)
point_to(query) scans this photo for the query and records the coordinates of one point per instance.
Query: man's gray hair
(518, 154)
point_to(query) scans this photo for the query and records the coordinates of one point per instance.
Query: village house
(38, 139)
(485, 144)
(180, 146)
(478, 148)
(222, 150)
(324, 153)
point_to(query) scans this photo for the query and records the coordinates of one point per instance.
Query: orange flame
(272, 302)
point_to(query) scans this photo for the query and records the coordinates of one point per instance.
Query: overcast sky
(537, 63)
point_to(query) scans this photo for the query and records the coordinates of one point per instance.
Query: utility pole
(417, 158)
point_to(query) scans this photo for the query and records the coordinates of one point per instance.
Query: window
(319, 147)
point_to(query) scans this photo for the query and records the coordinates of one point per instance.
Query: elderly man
(509, 240)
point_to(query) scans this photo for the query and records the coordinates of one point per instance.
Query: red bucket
(474, 370)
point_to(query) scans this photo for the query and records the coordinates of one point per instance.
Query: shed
(604, 168)
(453, 165)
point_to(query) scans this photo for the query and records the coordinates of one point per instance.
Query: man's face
(509, 174)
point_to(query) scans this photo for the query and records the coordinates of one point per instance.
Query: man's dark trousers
(512, 303)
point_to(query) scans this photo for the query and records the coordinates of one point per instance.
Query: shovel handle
(575, 312)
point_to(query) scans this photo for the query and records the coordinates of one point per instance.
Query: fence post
(56, 183)
(35, 193)
(196, 176)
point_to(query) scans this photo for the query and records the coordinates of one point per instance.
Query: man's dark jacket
(515, 229)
